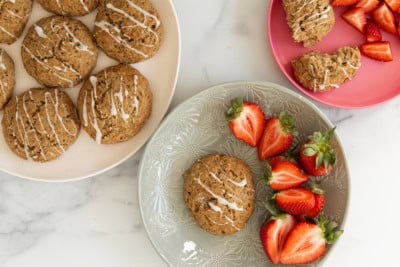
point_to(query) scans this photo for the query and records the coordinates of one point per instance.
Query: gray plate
(198, 127)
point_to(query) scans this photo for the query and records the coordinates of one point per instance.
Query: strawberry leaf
(287, 122)
(235, 109)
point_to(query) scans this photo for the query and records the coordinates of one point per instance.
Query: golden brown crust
(219, 192)
(115, 104)
(7, 77)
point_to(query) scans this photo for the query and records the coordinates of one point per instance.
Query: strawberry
(284, 175)
(372, 32)
(384, 17)
(277, 136)
(368, 5)
(319, 201)
(307, 241)
(273, 235)
(393, 4)
(297, 201)
(317, 156)
(377, 50)
(343, 2)
(281, 158)
(246, 121)
(356, 18)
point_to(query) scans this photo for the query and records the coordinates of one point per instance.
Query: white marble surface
(96, 222)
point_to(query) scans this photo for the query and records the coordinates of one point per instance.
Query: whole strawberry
(246, 121)
(277, 137)
(317, 156)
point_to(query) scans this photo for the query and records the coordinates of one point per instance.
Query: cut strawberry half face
(393, 4)
(384, 17)
(356, 18)
(343, 2)
(372, 32)
(377, 50)
(368, 5)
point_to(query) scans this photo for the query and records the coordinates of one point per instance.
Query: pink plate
(375, 82)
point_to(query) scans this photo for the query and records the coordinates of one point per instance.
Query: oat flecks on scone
(69, 7)
(309, 20)
(115, 104)
(59, 51)
(321, 72)
(128, 30)
(219, 192)
(13, 16)
(40, 124)
(7, 77)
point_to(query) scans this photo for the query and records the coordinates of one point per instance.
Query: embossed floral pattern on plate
(198, 127)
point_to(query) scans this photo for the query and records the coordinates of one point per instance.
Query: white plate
(86, 158)
(198, 127)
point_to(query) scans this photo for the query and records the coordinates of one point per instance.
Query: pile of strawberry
(368, 17)
(297, 232)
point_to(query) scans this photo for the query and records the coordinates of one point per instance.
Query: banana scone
(128, 31)
(59, 51)
(40, 124)
(219, 192)
(320, 72)
(7, 77)
(115, 104)
(13, 16)
(309, 20)
(69, 7)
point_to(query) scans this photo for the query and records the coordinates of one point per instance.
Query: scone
(69, 7)
(128, 31)
(321, 72)
(40, 124)
(59, 51)
(219, 192)
(7, 77)
(115, 104)
(13, 16)
(309, 20)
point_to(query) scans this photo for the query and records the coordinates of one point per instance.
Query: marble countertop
(96, 222)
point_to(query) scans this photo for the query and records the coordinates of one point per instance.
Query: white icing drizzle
(14, 14)
(7, 32)
(105, 26)
(82, 46)
(145, 13)
(84, 6)
(84, 110)
(241, 184)
(39, 30)
(2, 65)
(214, 207)
(93, 81)
(215, 177)
(60, 6)
(296, 26)
(47, 67)
(223, 201)
(120, 97)
(135, 97)
(94, 120)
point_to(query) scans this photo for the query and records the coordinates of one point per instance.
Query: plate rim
(134, 151)
(177, 108)
(300, 88)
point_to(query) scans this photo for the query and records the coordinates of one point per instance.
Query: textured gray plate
(198, 127)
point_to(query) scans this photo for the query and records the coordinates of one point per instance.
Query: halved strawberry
(284, 175)
(273, 235)
(317, 156)
(319, 201)
(372, 32)
(297, 201)
(281, 158)
(368, 5)
(384, 17)
(393, 4)
(343, 2)
(246, 121)
(377, 50)
(307, 241)
(277, 136)
(356, 18)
